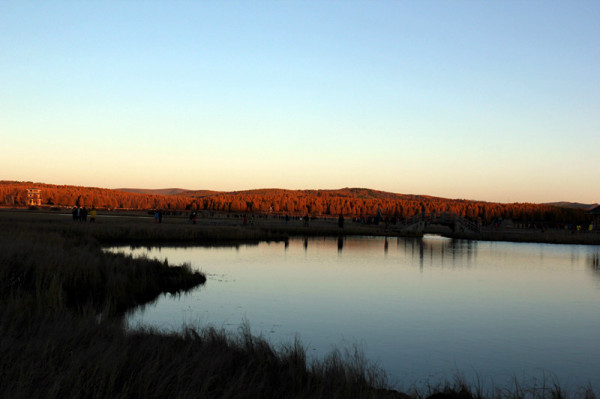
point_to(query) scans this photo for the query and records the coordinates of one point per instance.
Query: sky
(488, 100)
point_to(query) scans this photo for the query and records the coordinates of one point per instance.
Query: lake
(424, 309)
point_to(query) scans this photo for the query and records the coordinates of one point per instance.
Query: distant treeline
(349, 202)
(15, 194)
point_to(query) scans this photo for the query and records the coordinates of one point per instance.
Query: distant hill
(357, 193)
(160, 191)
(199, 193)
(170, 191)
(575, 205)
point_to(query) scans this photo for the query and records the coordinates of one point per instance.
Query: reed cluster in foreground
(55, 282)
(66, 355)
(54, 272)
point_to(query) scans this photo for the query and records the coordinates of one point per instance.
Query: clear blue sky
(489, 100)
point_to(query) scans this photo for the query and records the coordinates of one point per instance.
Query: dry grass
(56, 272)
(63, 355)
(141, 229)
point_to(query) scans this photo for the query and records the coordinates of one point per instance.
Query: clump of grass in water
(57, 272)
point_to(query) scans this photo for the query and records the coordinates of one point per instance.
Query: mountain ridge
(358, 192)
(576, 205)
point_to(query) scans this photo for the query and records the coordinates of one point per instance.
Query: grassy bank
(550, 236)
(138, 228)
(55, 281)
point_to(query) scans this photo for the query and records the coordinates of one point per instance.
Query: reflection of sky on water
(422, 308)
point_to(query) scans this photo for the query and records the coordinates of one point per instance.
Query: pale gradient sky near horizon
(490, 100)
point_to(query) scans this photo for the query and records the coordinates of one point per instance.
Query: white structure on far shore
(34, 197)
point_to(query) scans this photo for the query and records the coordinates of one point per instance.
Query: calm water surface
(424, 310)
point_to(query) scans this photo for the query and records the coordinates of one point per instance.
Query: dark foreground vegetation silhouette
(358, 202)
(62, 334)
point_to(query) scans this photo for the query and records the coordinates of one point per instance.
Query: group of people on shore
(80, 214)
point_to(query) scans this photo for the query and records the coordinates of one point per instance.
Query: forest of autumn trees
(15, 194)
(349, 202)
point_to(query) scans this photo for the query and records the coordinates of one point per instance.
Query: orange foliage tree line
(15, 194)
(349, 202)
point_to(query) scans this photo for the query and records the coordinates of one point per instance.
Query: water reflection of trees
(435, 251)
(440, 251)
(593, 262)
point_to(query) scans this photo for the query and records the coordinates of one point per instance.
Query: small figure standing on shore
(341, 221)
(93, 215)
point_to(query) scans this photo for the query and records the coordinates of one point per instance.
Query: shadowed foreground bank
(61, 334)
(65, 355)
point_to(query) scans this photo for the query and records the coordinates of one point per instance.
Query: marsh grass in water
(55, 272)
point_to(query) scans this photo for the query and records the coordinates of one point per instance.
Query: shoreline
(140, 228)
(550, 236)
